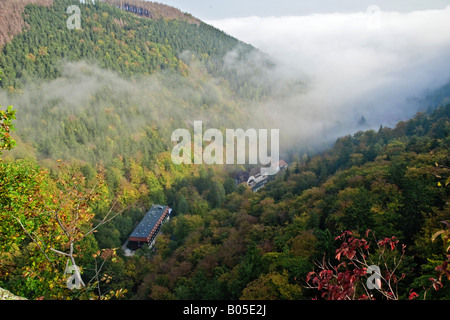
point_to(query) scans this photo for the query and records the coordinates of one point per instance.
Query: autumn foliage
(59, 222)
(46, 226)
(349, 279)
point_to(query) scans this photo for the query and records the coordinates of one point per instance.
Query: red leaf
(351, 254)
(412, 295)
(436, 284)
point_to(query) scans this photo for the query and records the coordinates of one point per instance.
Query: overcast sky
(220, 9)
(361, 57)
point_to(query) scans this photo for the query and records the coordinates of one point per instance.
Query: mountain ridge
(157, 10)
(12, 22)
(95, 110)
(114, 39)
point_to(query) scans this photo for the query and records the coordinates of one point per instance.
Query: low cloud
(329, 71)
(367, 64)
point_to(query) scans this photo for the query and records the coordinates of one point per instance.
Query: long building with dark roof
(149, 227)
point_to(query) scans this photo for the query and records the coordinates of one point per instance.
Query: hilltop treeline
(112, 38)
(95, 108)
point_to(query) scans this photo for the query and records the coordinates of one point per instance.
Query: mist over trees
(90, 129)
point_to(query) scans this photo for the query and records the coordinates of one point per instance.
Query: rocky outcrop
(6, 295)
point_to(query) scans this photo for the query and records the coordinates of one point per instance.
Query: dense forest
(109, 37)
(86, 152)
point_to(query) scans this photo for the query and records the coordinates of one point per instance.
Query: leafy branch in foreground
(444, 269)
(46, 226)
(6, 126)
(349, 279)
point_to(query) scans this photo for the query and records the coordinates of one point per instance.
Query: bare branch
(105, 219)
(60, 252)
(36, 242)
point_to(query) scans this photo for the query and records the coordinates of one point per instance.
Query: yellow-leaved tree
(46, 233)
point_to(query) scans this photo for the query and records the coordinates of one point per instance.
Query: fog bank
(366, 64)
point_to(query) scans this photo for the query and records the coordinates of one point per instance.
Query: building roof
(258, 185)
(149, 221)
(282, 163)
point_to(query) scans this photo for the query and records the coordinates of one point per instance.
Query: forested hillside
(263, 246)
(86, 151)
(112, 38)
(100, 103)
(157, 10)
